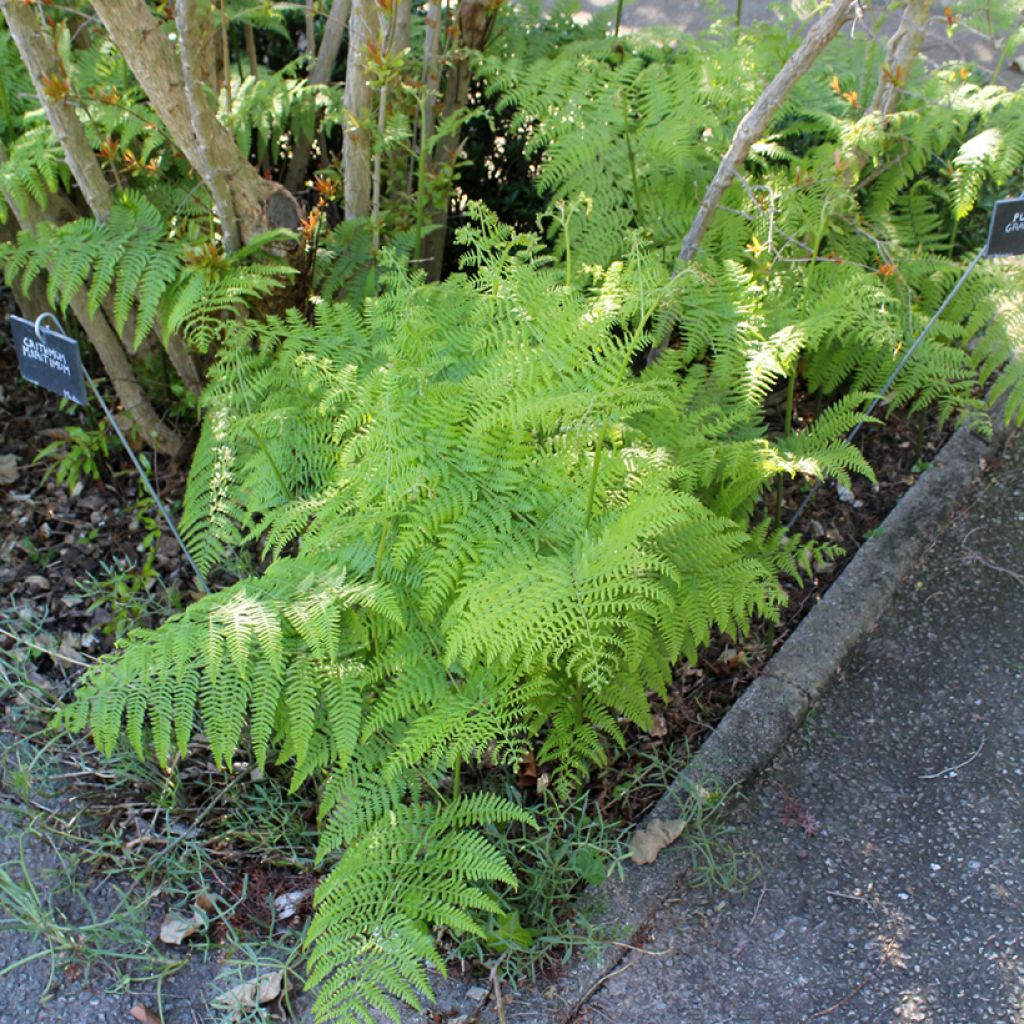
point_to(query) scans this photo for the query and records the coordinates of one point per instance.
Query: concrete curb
(774, 706)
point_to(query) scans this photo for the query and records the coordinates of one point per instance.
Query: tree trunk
(330, 45)
(310, 29)
(757, 119)
(250, 50)
(256, 203)
(903, 49)
(431, 68)
(51, 85)
(473, 20)
(364, 28)
(204, 124)
(402, 34)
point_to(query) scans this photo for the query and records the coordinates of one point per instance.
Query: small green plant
(484, 532)
(79, 455)
(129, 592)
(543, 922)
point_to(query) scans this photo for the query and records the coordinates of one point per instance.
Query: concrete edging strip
(759, 723)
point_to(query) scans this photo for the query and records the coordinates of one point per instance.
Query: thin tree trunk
(310, 29)
(757, 119)
(431, 69)
(204, 125)
(225, 55)
(257, 204)
(904, 46)
(752, 127)
(330, 45)
(51, 85)
(473, 19)
(403, 26)
(250, 50)
(364, 28)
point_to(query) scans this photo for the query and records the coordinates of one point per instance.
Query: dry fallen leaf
(648, 842)
(8, 469)
(527, 777)
(250, 994)
(659, 727)
(144, 1014)
(288, 903)
(176, 928)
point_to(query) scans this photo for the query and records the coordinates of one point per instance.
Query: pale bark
(225, 55)
(310, 29)
(431, 69)
(752, 127)
(330, 45)
(48, 77)
(757, 119)
(258, 204)
(250, 50)
(902, 51)
(396, 39)
(402, 32)
(205, 125)
(364, 28)
(473, 21)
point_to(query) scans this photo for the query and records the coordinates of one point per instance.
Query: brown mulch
(53, 542)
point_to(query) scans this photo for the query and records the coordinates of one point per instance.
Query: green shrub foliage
(482, 524)
(484, 533)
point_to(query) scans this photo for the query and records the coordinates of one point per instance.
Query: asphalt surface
(889, 834)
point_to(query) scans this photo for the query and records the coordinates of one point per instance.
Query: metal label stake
(48, 357)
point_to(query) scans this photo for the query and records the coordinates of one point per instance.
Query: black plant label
(49, 359)
(1006, 231)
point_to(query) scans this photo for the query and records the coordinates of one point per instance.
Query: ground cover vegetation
(482, 453)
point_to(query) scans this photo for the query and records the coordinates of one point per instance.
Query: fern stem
(421, 173)
(567, 231)
(787, 425)
(603, 434)
(274, 468)
(456, 778)
(787, 430)
(631, 157)
(601, 438)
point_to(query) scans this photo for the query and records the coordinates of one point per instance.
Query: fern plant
(482, 525)
(847, 230)
(130, 259)
(483, 534)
